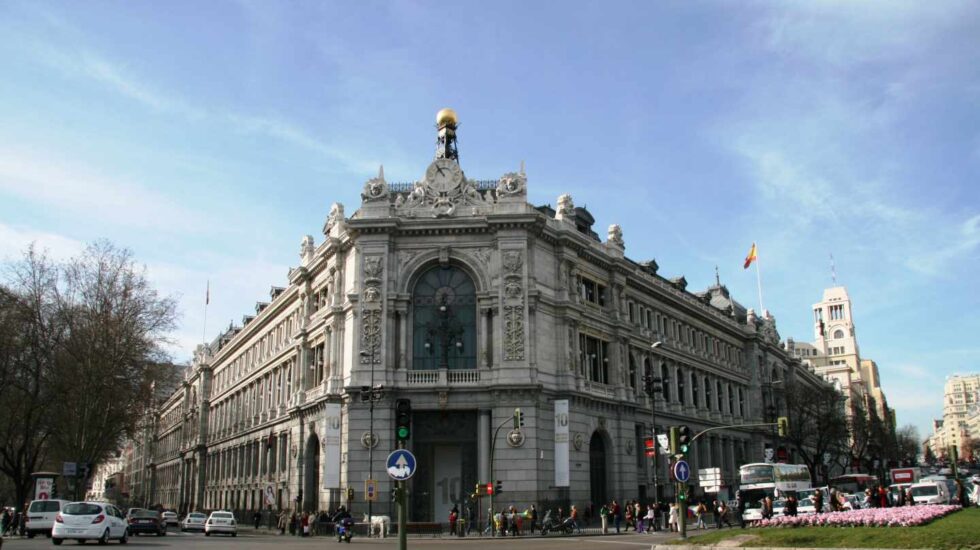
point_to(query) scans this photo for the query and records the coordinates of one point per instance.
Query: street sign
(69, 469)
(682, 472)
(371, 490)
(400, 465)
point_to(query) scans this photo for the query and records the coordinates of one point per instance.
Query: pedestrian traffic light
(683, 439)
(782, 425)
(479, 490)
(499, 488)
(490, 489)
(403, 419)
(350, 493)
(518, 419)
(649, 447)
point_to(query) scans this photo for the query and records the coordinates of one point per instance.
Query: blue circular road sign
(682, 472)
(400, 465)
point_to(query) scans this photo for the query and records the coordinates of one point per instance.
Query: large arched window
(694, 390)
(664, 376)
(838, 334)
(444, 320)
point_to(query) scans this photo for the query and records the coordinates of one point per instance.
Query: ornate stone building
(460, 296)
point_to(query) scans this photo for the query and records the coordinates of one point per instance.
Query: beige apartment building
(961, 415)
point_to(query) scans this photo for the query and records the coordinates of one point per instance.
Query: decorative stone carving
(482, 255)
(405, 257)
(615, 236)
(513, 304)
(335, 217)
(515, 438)
(306, 250)
(566, 208)
(368, 440)
(511, 184)
(376, 189)
(444, 190)
(578, 441)
(371, 306)
(629, 446)
(768, 329)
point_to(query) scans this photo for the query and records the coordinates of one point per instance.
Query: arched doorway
(311, 469)
(597, 469)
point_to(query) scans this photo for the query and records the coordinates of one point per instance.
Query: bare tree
(817, 425)
(907, 445)
(93, 330)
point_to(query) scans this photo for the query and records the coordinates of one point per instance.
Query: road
(251, 539)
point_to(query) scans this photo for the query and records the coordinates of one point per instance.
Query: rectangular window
(593, 292)
(594, 355)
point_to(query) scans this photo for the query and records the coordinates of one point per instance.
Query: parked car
(930, 492)
(84, 521)
(147, 521)
(41, 515)
(171, 518)
(221, 521)
(131, 511)
(193, 522)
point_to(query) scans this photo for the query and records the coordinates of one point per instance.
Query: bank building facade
(462, 298)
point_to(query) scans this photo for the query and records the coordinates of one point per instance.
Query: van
(40, 516)
(930, 492)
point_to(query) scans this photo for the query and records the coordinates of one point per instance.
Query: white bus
(756, 481)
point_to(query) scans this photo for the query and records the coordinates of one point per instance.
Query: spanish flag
(750, 258)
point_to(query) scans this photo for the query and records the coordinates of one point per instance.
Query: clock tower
(446, 122)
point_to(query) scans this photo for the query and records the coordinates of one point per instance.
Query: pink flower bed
(905, 516)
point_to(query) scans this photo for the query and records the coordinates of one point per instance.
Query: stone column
(483, 445)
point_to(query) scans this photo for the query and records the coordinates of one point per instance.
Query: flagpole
(207, 300)
(758, 278)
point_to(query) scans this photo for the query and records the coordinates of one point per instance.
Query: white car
(40, 516)
(193, 522)
(170, 518)
(930, 492)
(84, 521)
(221, 521)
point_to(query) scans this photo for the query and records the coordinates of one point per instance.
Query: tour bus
(854, 484)
(756, 481)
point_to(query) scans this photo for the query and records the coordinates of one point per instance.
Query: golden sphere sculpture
(446, 117)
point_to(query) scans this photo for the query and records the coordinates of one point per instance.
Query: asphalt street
(251, 539)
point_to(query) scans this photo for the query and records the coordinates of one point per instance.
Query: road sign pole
(682, 509)
(402, 517)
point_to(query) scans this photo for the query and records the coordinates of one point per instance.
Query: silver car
(221, 521)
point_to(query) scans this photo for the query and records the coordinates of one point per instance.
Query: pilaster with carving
(512, 262)
(371, 309)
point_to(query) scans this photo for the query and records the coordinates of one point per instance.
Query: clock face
(443, 175)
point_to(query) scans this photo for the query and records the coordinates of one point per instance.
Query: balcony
(597, 388)
(443, 377)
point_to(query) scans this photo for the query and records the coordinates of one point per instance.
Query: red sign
(648, 446)
(903, 475)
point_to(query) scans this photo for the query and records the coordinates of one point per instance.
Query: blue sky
(209, 137)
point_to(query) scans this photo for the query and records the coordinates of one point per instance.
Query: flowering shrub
(904, 516)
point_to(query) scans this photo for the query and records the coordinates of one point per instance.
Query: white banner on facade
(331, 446)
(561, 443)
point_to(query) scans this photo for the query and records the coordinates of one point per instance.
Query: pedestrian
(574, 515)
(869, 501)
(882, 497)
(909, 497)
(766, 508)
(470, 512)
(817, 501)
(672, 517)
(638, 512)
(723, 514)
(628, 514)
(652, 517)
(534, 519)
(453, 517)
(714, 512)
(792, 506)
(257, 519)
(617, 514)
(604, 518)
(740, 508)
(699, 513)
(305, 522)
(975, 495)
(4, 522)
(834, 500)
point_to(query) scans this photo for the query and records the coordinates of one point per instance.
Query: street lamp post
(372, 394)
(652, 383)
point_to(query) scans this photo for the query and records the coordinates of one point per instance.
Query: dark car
(147, 521)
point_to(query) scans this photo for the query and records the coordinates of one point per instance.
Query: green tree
(817, 425)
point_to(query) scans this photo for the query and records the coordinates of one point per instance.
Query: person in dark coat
(740, 508)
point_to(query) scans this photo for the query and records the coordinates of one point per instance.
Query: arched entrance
(597, 469)
(311, 469)
(444, 320)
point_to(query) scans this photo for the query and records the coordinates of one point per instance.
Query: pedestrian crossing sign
(371, 490)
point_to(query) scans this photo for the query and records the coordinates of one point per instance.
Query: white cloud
(15, 240)
(78, 189)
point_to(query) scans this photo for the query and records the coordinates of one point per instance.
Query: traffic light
(682, 492)
(499, 488)
(518, 419)
(350, 494)
(403, 420)
(649, 446)
(479, 490)
(782, 425)
(683, 439)
(490, 489)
